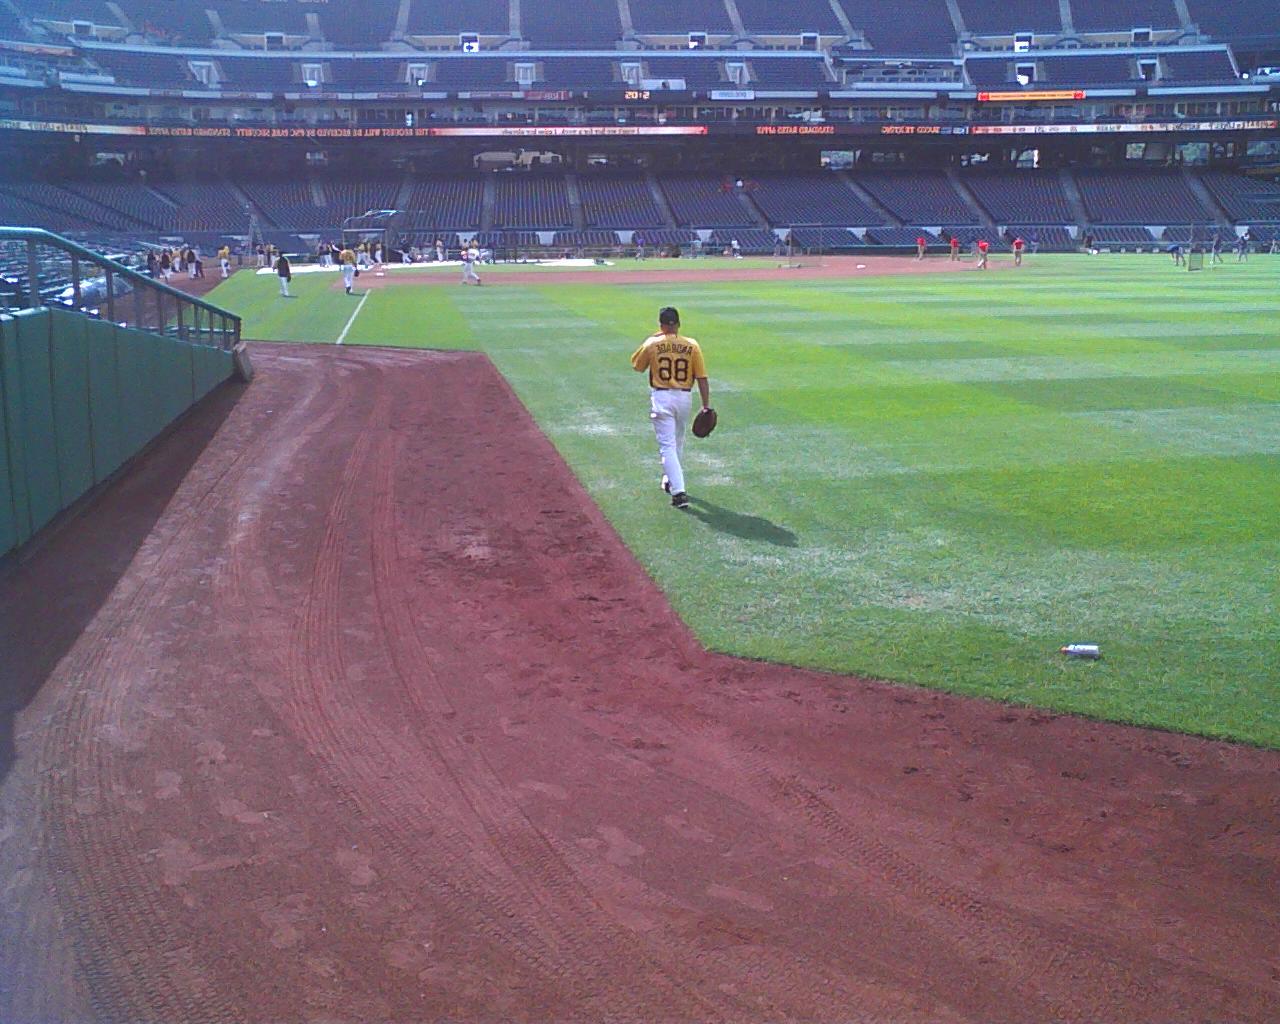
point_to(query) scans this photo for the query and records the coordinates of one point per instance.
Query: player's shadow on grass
(747, 527)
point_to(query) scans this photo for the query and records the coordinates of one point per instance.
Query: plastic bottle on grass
(1089, 651)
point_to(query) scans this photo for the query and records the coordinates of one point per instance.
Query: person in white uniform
(469, 257)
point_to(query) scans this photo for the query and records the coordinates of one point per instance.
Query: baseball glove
(704, 423)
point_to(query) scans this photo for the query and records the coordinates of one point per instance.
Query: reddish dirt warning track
(338, 708)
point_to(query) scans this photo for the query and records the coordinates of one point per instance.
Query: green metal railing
(41, 269)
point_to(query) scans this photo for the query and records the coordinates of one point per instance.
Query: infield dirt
(687, 271)
(346, 703)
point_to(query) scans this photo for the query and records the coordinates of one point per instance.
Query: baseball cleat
(680, 500)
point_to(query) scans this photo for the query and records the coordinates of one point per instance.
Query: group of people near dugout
(164, 263)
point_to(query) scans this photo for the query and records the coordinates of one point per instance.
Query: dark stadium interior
(866, 122)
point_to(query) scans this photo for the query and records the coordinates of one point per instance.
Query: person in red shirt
(921, 243)
(955, 249)
(983, 247)
(1018, 246)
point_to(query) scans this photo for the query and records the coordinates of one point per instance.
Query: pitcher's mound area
(378, 721)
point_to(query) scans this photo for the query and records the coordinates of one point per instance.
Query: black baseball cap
(668, 315)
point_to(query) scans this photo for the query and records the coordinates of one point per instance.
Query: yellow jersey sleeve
(699, 366)
(641, 357)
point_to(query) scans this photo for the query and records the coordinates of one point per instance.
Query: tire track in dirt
(134, 961)
(137, 963)
(582, 922)
(1074, 976)
(958, 921)
(776, 972)
(352, 751)
(359, 749)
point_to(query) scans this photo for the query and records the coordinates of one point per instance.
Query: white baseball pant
(348, 276)
(669, 410)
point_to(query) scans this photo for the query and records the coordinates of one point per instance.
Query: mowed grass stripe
(918, 479)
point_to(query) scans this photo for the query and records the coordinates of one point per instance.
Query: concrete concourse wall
(79, 397)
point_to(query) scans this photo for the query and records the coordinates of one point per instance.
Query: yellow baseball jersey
(347, 256)
(674, 362)
(224, 253)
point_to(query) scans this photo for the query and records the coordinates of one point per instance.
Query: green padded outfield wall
(78, 397)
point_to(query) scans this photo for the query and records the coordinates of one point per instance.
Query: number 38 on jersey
(673, 361)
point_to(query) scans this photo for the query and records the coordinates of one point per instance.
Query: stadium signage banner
(492, 94)
(72, 128)
(220, 132)
(1032, 94)
(38, 49)
(795, 129)
(622, 131)
(1119, 129)
(568, 131)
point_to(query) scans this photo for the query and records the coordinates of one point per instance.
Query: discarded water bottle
(1089, 651)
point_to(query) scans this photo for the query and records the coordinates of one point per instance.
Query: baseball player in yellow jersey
(675, 364)
(347, 259)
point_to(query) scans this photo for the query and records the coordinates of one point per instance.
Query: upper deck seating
(919, 197)
(1026, 196)
(532, 202)
(1109, 16)
(821, 198)
(982, 17)
(455, 203)
(768, 17)
(444, 17)
(618, 202)
(1139, 197)
(904, 27)
(661, 17)
(586, 25)
(702, 201)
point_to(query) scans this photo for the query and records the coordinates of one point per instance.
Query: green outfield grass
(936, 479)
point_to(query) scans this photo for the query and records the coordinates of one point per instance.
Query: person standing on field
(285, 273)
(470, 256)
(347, 259)
(922, 243)
(1018, 246)
(984, 248)
(224, 260)
(674, 364)
(954, 245)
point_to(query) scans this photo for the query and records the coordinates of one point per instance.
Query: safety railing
(39, 268)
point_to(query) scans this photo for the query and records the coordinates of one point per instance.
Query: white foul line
(359, 306)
